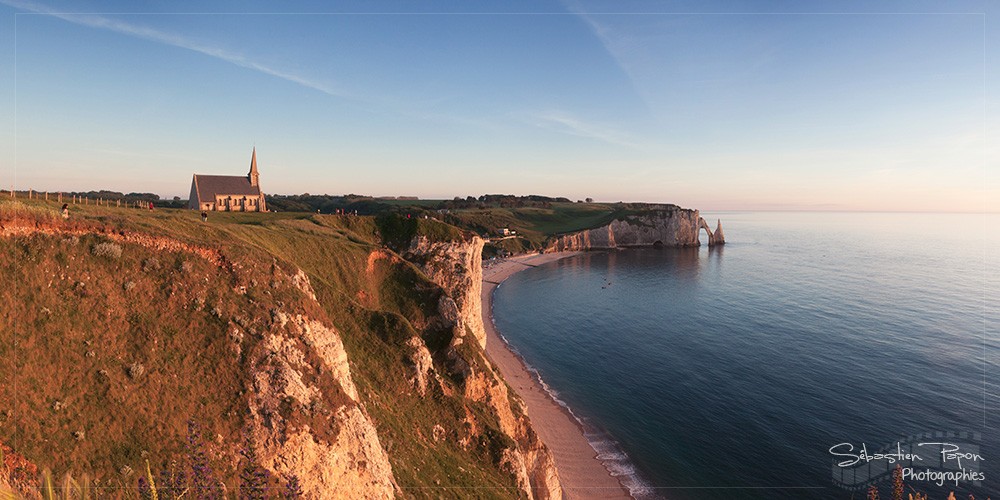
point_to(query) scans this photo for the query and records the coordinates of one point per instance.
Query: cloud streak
(174, 40)
(615, 45)
(565, 123)
(415, 110)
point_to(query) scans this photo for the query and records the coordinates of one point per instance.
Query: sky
(726, 105)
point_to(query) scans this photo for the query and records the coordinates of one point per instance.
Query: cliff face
(457, 267)
(667, 227)
(303, 425)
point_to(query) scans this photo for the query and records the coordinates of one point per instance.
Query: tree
(590, 200)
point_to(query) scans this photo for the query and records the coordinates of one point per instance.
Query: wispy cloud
(612, 43)
(563, 122)
(617, 45)
(410, 108)
(175, 40)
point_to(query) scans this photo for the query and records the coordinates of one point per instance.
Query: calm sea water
(730, 372)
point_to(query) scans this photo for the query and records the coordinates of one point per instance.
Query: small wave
(620, 466)
(607, 449)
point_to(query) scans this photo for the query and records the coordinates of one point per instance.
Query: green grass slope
(107, 353)
(537, 225)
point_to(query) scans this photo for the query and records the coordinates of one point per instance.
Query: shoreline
(581, 473)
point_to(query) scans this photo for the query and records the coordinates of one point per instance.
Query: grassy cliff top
(536, 225)
(534, 218)
(119, 343)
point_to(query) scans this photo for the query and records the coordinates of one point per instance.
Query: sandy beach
(582, 475)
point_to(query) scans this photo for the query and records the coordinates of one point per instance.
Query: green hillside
(110, 347)
(535, 219)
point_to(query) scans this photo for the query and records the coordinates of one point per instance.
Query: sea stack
(717, 237)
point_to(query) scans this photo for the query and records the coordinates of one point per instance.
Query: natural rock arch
(714, 238)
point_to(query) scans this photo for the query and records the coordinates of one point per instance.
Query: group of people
(341, 211)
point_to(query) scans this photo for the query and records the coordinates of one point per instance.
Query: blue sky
(712, 105)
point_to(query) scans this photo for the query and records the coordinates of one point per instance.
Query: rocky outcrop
(305, 417)
(530, 462)
(714, 237)
(456, 266)
(668, 227)
(717, 236)
(423, 364)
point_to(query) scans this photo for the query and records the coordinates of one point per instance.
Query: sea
(804, 359)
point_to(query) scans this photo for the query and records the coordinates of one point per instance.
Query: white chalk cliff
(668, 227)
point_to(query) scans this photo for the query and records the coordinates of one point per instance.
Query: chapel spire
(254, 175)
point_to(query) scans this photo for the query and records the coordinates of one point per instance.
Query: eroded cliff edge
(356, 369)
(667, 227)
(457, 267)
(146, 335)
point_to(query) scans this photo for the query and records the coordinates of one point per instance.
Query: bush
(395, 230)
(109, 250)
(135, 370)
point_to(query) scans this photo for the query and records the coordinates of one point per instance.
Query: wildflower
(293, 490)
(253, 478)
(202, 482)
(872, 493)
(897, 483)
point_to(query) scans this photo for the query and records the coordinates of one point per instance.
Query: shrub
(135, 370)
(395, 230)
(109, 250)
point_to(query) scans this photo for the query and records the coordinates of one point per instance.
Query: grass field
(536, 225)
(536, 219)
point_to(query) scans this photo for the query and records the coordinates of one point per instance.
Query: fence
(73, 199)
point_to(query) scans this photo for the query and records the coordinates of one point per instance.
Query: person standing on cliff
(65, 211)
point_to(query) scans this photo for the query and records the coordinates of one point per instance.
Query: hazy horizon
(830, 106)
